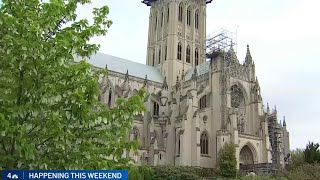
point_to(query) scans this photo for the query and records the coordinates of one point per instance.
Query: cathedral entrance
(246, 156)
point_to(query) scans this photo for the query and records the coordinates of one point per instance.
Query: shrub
(227, 162)
(305, 171)
(141, 173)
(175, 173)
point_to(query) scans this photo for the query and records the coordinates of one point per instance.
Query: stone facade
(194, 106)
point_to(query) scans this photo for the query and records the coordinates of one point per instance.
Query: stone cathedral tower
(177, 36)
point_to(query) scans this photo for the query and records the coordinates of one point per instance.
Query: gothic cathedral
(195, 104)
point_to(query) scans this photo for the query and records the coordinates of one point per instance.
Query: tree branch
(57, 28)
(32, 129)
(24, 119)
(44, 141)
(4, 148)
(12, 147)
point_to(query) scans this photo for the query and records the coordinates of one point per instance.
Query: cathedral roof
(201, 70)
(120, 65)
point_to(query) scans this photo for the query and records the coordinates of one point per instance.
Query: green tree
(227, 161)
(312, 153)
(50, 116)
(296, 158)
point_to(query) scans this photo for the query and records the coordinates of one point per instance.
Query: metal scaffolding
(274, 137)
(220, 41)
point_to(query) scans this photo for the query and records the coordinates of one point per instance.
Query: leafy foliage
(305, 172)
(50, 116)
(312, 153)
(296, 158)
(175, 173)
(141, 173)
(227, 162)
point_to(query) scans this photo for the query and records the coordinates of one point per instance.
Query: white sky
(284, 41)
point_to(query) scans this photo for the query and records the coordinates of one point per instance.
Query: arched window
(204, 143)
(180, 12)
(155, 109)
(246, 156)
(188, 54)
(153, 57)
(161, 18)
(179, 51)
(203, 102)
(196, 19)
(168, 14)
(189, 16)
(179, 145)
(110, 98)
(165, 53)
(135, 133)
(196, 57)
(156, 22)
(159, 55)
(237, 98)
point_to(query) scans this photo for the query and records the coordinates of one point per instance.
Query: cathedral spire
(126, 78)
(248, 59)
(232, 53)
(165, 84)
(106, 68)
(125, 84)
(268, 108)
(145, 82)
(284, 121)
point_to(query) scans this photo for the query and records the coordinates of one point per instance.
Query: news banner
(64, 174)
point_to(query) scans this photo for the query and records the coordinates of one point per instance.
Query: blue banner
(64, 174)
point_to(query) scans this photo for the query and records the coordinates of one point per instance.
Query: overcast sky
(284, 41)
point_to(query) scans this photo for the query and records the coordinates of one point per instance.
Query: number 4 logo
(13, 176)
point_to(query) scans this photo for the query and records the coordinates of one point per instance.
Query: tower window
(196, 19)
(153, 57)
(165, 53)
(189, 16)
(179, 145)
(155, 109)
(168, 14)
(180, 12)
(196, 56)
(156, 23)
(204, 143)
(160, 55)
(110, 98)
(161, 18)
(203, 102)
(188, 54)
(179, 51)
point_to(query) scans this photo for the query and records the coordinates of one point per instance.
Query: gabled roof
(120, 65)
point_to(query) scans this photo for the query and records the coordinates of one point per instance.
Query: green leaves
(312, 153)
(50, 117)
(227, 162)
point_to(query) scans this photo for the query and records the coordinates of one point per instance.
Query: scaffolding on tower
(220, 41)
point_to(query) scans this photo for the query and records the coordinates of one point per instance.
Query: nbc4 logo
(12, 176)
